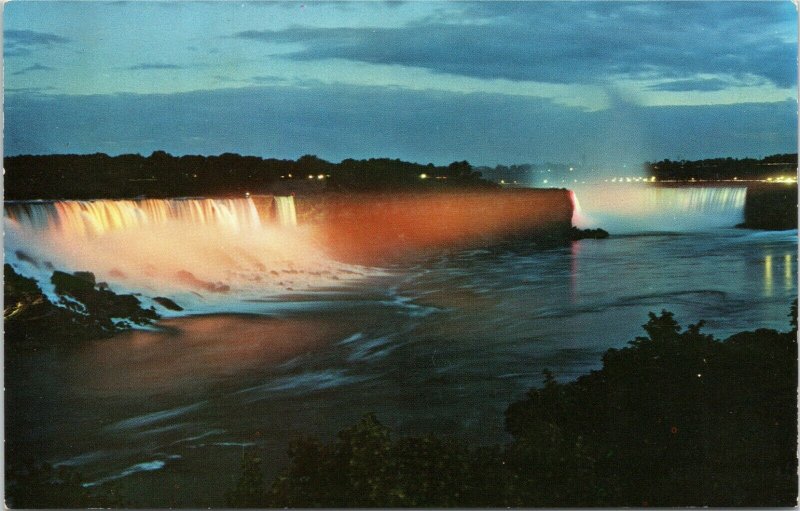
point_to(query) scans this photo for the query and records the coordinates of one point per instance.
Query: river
(437, 345)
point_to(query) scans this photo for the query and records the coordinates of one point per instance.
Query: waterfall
(643, 208)
(578, 219)
(189, 249)
(93, 218)
(285, 211)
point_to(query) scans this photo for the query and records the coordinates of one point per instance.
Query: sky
(606, 83)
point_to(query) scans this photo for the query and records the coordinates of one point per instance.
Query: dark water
(442, 345)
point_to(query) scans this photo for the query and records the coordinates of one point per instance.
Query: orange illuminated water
(201, 249)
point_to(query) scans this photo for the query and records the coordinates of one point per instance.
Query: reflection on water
(768, 275)
(574, 255)
(194, 351)
(441, 345)
(789, 276)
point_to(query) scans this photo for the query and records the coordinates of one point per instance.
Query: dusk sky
(488, 82)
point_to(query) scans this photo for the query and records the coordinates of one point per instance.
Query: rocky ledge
(771, 207)
(85, 309)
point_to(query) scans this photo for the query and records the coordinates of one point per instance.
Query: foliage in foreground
(30, 485)
(677, 418)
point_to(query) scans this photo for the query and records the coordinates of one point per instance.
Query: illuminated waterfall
(190, 248)
(578, 219)
(285, 211)
(93, 218)
(642, 208)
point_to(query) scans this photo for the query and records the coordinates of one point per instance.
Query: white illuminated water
(632, 208)
(208, 254)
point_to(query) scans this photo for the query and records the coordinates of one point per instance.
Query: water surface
(441, 345)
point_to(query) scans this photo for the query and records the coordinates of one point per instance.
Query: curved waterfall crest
(195, 250)
(644, 208)
(100, 216)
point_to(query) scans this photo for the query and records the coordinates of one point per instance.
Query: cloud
(32, 38)
(571, 42)
(710, 84)
(34, 67)
(22, 42)
(338, 121)
(153, 66)
(28, 90)
(268, 79)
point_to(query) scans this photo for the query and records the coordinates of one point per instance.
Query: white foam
(369, 350)
(207, 434)
(146, 466)
(303, 383)
(150, 418)
(82, 459)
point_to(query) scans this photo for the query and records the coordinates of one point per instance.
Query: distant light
(613, 180)
(310, 176)
(247, 194)
(571, 169)
(321, 176)
(423, 176)
(545, 181)
(735, 178)
(502, 181)
(652, 179)
(290, 175)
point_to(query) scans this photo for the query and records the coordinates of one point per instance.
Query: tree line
(724, 168)
(87, 176)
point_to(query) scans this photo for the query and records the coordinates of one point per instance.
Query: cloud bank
(337, 122)
(23, 42)
(570, 42)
